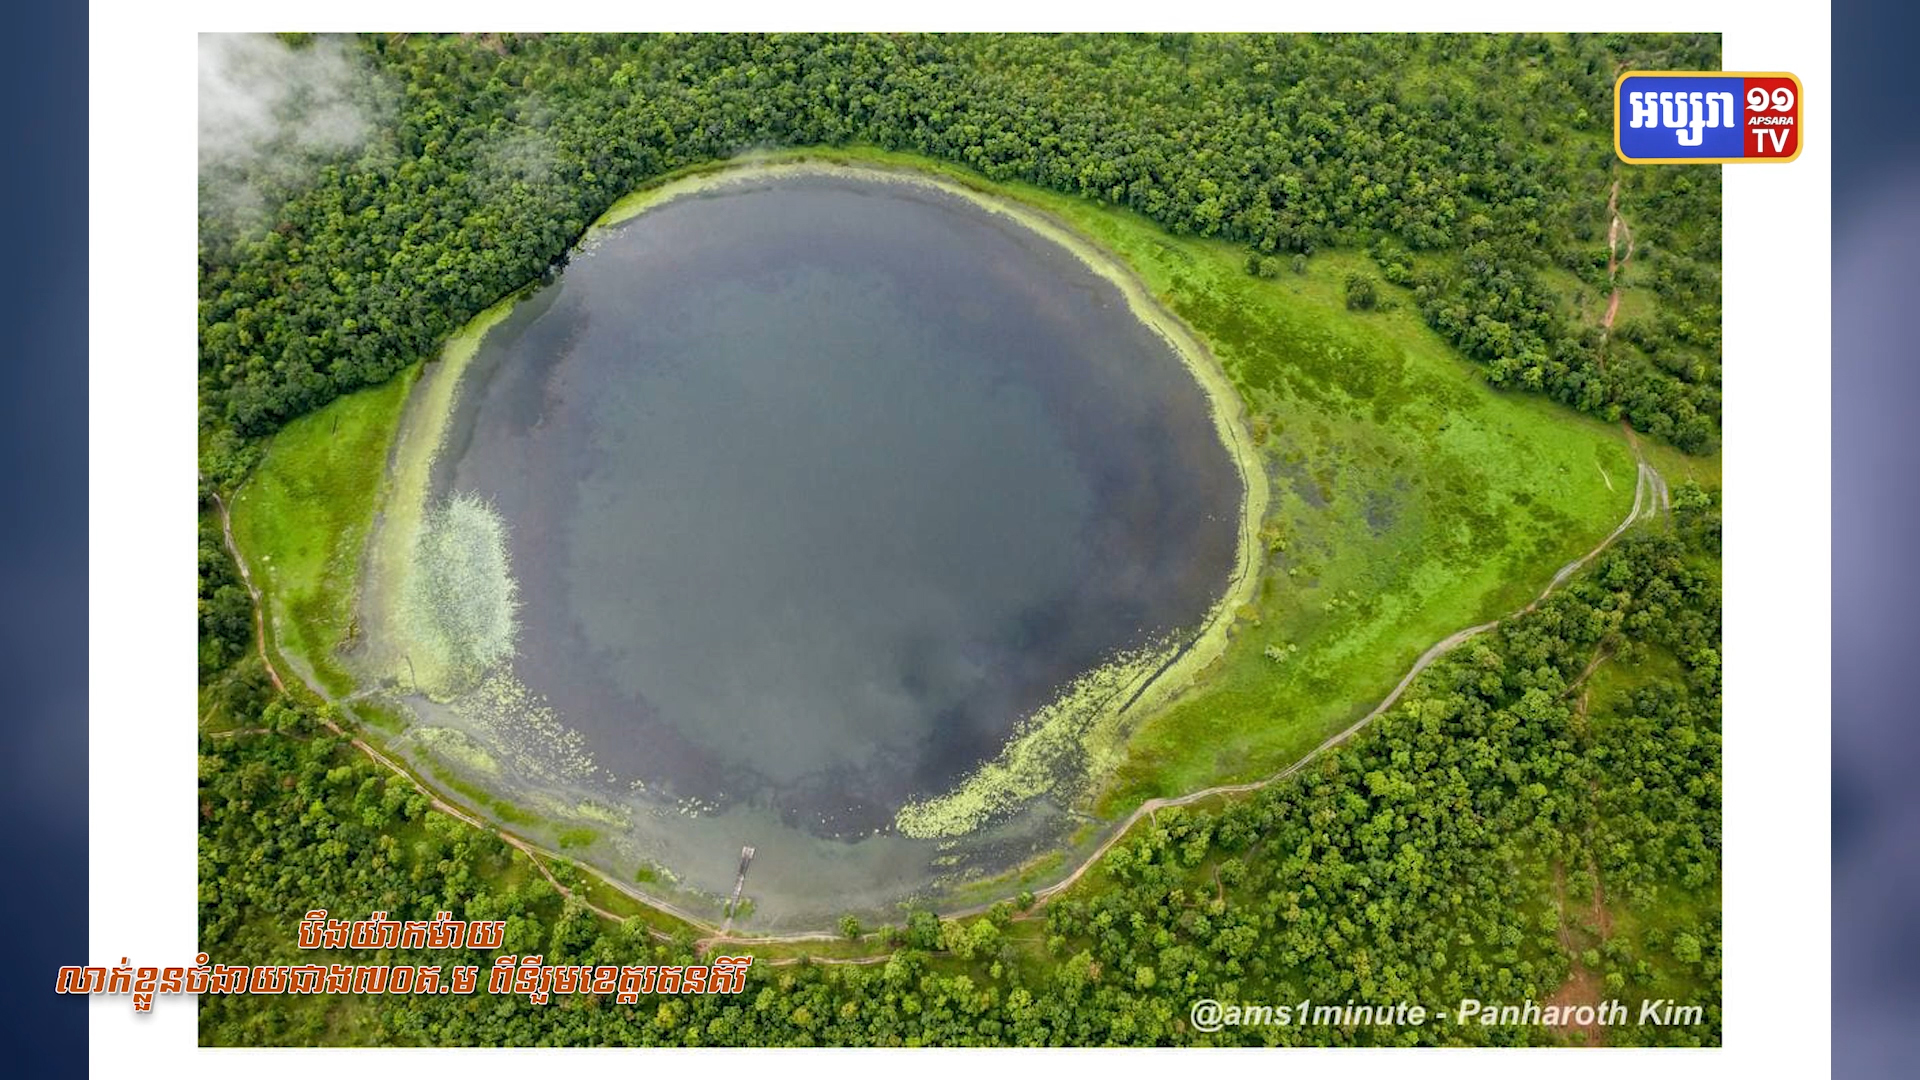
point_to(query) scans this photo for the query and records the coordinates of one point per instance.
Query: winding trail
(535, 854)
(253, 592)
(532, 852)
(1616, 262)
(1650, 498)
(1643, 506)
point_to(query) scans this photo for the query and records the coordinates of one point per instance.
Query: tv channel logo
(1706, 117)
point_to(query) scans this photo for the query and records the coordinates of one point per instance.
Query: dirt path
(253, 592)
(1643, 503)
(1616, 261)
(532, 853)
(1583, 985)
(1649, 499)
(1600, 656)
(1649, 496)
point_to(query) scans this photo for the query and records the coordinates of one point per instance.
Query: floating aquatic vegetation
(594, 810)
(459, 603)
(456, 746)
(1057, 755)
(520, 723)
(1073, 735)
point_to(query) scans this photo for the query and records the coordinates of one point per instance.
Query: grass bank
(1404, 498)
(1409, 498)
(303, 517)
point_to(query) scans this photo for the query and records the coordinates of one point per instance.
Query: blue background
(1876, 534)
(1875, 576)
(1662, 142)
(43, 538)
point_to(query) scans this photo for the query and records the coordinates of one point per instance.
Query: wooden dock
(739, 886)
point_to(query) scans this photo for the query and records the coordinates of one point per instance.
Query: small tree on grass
(1361, 294)
(1263, 266)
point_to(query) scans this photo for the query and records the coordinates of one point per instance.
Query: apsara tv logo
(1704, 117)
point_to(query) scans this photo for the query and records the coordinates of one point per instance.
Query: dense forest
(1538, 818)
(1475, 169)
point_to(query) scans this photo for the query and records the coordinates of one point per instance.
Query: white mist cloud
(521, 155)
(266, 112)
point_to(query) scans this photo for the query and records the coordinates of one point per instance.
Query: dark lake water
(817, 486)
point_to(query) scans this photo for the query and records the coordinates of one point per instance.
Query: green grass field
(302, 519)
(1409, 499)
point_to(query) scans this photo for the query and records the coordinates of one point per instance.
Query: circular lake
(816, 487)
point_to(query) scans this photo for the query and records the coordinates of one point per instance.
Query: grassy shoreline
(1279, 354)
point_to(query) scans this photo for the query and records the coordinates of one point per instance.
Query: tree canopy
(1476, 168)
(1538, 817)
(1510, 830)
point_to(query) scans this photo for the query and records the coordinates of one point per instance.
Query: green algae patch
(458, 602)
(396, 541)
(518, 722)
(1074, 735)
(594, 810)
(456, 746)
